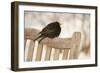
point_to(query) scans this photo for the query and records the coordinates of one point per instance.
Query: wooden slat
(43, 53)
(76, 52)
(56, 54)
(29, 50)
(52, 54)
(65, 54)
(39, 52)
(75, 45)
(35, 51)
(26, 49)
(48, 53)
(61, 54)
(68, 57)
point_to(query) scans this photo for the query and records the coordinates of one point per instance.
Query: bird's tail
(37, 37)
(42, 39)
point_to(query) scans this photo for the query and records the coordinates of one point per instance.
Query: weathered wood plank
(29, 50)
(56, 54)
(75, 45)
(44, 52)
(61, 54)
(48, 53)
(39, 52)
(65, 54)
(26, 49)
(52, 54)
(35, 51)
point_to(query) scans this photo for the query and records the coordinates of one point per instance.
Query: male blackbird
(52, 30)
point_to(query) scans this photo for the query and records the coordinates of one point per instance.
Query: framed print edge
(15, 39)
(96, 36)
(14, 36)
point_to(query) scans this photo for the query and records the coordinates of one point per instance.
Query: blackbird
(52, 30)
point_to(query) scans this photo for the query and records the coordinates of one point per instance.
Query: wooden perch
(58, 44)
(55, 43)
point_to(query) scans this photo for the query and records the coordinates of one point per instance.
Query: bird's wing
(48, 28)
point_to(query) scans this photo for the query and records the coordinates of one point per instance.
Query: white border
(23, 64)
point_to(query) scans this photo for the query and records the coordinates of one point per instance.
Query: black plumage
(52, 30)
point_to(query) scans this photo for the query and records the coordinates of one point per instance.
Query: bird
(52, 30)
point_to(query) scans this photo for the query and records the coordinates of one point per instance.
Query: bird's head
(56, 22)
